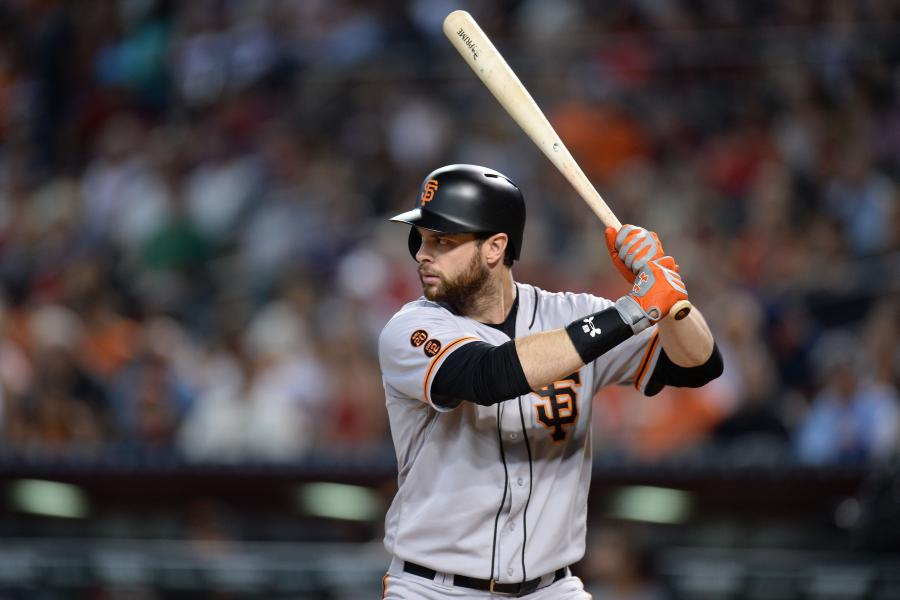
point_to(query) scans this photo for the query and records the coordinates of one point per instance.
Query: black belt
(485, 585)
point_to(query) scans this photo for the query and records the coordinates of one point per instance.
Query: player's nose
(422, 254)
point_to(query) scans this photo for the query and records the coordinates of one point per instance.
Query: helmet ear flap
(414, 242)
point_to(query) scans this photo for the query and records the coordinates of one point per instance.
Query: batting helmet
(467, 199)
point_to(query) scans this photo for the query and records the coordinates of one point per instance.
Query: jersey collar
(508, 326)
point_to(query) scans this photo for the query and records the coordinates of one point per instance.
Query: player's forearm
(688, 342)
(547, 357)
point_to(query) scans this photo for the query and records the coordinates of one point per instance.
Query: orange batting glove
(656, 288)
(631, 248)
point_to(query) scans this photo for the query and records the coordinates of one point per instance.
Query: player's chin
(432, 287)
(431, 292)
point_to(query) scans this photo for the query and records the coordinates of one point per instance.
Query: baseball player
(488, 385)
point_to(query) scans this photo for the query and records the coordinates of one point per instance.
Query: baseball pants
(399, 585)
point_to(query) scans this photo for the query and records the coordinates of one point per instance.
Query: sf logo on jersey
(558, 407)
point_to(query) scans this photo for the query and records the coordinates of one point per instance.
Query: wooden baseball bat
(477, 50)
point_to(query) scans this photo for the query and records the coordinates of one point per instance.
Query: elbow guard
(668, 373)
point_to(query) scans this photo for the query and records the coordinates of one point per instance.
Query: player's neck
(493, 304)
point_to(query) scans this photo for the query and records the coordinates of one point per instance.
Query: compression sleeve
(481, 373)
(668, 373)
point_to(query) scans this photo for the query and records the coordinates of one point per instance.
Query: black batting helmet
(467, 199)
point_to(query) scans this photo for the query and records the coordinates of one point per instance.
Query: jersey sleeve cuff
(647, 365)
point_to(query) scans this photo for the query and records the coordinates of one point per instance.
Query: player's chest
(556, 414)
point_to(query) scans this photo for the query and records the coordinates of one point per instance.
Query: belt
(486, 585)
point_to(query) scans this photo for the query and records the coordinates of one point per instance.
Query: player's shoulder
(419, 308)
(415, 314)
(548, 300)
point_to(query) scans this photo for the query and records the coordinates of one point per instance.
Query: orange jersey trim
(648, 355)
(384, 584)
(437, 358)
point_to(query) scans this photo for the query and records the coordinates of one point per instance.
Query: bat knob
(681, 309)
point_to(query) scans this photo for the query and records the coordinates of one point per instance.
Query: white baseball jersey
(497, 489)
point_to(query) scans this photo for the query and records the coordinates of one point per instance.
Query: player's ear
(494, 248)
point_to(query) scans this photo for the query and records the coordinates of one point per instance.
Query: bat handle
(680, 309)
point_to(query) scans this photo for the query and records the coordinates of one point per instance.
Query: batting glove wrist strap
(632, 314)
(595, 334)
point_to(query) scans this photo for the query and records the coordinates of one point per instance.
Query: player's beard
(463, 292)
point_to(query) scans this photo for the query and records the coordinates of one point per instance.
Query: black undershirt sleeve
(481, 373)
(668, 373)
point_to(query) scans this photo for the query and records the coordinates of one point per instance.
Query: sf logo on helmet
(428, 191)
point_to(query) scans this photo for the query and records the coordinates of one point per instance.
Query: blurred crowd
(194, 253)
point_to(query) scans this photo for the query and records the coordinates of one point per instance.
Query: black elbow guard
(668, 373)
(700, 375)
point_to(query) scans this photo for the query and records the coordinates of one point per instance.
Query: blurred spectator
(110, 338)
(124, 198)
(756, 423)
(263, 397)
(882, 335)
(354, 413)
(674, 421)
(64, 411)
(853, 418)
(149, 401)
(624, 141)
(171, 269)
(617, 566)
(865, 201)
